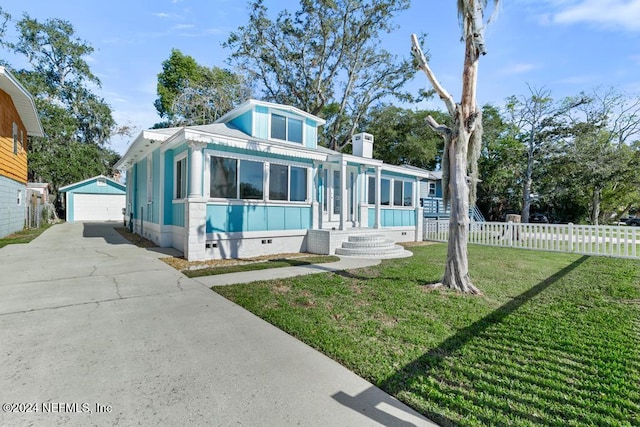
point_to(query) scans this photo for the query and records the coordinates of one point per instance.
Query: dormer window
(286, 128)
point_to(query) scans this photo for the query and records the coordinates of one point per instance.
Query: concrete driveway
(95, 331)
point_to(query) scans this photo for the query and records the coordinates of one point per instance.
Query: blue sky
(566, 46)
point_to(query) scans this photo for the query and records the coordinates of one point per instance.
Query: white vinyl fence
(617, 241)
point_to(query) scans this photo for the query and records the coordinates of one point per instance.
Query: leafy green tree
(600, 151)
(192, 94)
(499, 166)
(77, 123)
(401, 138)
(324, 58)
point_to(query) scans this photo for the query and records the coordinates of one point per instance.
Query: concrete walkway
(95, 331)
(345, 263)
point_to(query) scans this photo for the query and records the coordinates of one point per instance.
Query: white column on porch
(362, 216)
(313, 190)
(195, 207)
(344, 205)
(195, 168)
(378, 194)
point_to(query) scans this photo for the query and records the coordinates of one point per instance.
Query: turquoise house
(256, 182)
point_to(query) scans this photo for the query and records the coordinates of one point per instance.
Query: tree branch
(441, 129)
(424, 66)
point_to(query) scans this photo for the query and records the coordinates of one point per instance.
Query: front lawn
(555, 340)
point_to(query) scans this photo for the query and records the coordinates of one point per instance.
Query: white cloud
(519, 68)
(610, 14)
(161, 15)
(183, 26)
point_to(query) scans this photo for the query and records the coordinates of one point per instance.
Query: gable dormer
(275, 122)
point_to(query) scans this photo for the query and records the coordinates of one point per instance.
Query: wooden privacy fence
(617, 241)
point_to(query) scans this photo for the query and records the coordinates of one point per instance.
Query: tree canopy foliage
(576, 159)
(401, 137)
(77, 122)
(325, 58)
(192, 94)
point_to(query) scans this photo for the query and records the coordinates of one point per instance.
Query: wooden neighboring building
(18, 120)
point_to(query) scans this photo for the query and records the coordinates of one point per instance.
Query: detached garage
(94, 199)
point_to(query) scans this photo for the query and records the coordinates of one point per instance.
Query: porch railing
(434, 207)
(617, 241)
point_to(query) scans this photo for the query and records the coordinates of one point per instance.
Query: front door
(332, 196)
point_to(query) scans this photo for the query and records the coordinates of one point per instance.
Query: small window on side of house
(181, 178)
(102, 182)
(15, 138)
(19, 197)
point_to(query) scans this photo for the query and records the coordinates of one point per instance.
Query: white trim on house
(23, 102)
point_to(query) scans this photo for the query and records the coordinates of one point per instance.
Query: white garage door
(98, 207)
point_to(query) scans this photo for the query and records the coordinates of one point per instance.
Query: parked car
(538, 218)
(633, 221)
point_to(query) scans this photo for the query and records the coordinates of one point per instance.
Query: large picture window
(245, 179)
(286, 128)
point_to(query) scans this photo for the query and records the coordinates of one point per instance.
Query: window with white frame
(286, 128)
(236, 179)
(101, 182)
(245, 179)
(180, 178)
(371, 190)
(432, 189)
(15, 138)
(402, 193)
(19, 197)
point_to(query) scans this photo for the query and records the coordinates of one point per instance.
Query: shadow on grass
(436, 358)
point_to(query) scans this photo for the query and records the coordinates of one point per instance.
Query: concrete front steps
(371, 246)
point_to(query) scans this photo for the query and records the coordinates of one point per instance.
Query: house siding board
(155, 204)
(177, 214)
(11, 214)
(141, 193)
(242, 218)
(13, 166)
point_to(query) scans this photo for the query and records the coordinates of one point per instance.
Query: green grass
(273, 263)
(24, 236)
(553, 341)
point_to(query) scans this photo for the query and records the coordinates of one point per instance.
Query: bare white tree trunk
(455, 161)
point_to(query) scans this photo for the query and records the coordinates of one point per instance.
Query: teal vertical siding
(261, 125)
(243, 218)
(311, 134)
(155, 206)
(397, 218)
(169, 173)
(141, 186)
(177, 217)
